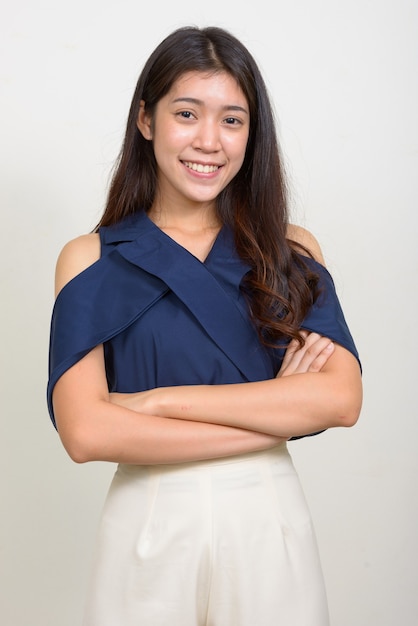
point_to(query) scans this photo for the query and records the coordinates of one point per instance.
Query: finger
(294, 353)
(311, 348)
(289, 354)
(310, 358)
(315, 356)
(319, 362)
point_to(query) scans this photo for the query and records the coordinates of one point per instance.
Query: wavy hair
(280, 288)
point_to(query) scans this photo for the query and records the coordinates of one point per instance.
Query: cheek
(236, 146)
(236, 151)
(172, 137)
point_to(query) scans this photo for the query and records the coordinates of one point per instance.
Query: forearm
(117, 434)
(293, 405)
(96, 425)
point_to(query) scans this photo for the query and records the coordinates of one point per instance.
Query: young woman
(194, 333)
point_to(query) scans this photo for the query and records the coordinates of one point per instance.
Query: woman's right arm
(92, 427)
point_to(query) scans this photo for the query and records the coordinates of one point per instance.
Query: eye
(232, 121)
(187, 115)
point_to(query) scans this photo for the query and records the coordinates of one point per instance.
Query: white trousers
(216, 543)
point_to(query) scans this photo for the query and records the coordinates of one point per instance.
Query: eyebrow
(227, 107)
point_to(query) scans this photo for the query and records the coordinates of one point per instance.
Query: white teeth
(198, 167)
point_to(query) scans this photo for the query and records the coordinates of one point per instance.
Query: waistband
(278, 454)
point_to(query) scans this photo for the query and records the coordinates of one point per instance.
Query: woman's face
(199, 132)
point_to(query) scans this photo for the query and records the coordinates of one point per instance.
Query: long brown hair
(280, 288)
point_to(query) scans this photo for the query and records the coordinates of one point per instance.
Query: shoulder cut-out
(302, 237)
(76, 256)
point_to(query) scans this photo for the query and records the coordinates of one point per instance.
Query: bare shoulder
(302, 238)
(76, 256)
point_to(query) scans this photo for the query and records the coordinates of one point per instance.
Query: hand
(310, 358)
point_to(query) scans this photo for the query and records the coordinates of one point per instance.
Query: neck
(191, 218)
(194, 231)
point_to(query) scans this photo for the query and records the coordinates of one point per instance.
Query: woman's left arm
(288, 406)
(318, 387)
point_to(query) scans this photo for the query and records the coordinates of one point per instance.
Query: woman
(194, 333)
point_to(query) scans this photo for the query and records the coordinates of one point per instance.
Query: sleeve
(92, 308)
(326, 317)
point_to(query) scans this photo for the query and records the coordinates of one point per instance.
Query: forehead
(209, 84)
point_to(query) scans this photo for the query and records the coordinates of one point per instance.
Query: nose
(207, 136)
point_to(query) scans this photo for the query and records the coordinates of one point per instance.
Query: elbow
(77, 444)
(78, 453)
(350, 408)
(349, 418)
(80, 428)
(343, 388)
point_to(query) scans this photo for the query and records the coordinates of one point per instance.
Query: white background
(343, 77)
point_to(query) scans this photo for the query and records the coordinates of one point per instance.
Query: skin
(204, 121)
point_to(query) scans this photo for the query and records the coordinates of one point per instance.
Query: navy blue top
(165, 318)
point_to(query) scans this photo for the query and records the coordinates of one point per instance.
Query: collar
(210, 290)
(222, 261)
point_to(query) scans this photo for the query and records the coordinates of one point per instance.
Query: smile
(198, 167)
